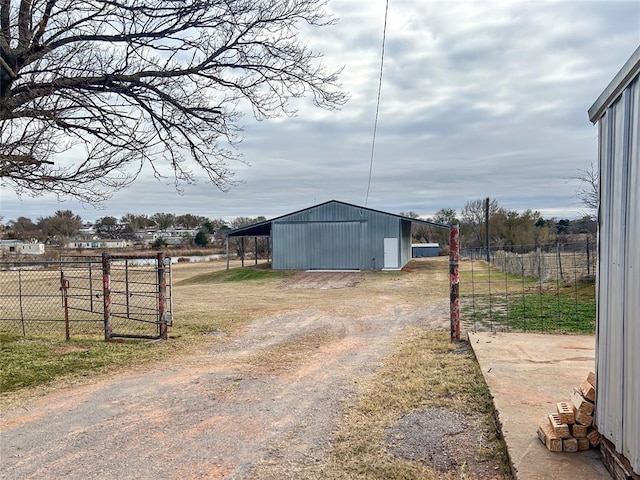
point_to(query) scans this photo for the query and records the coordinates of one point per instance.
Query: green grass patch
(32, 362)
(258, 272)
(570, 309)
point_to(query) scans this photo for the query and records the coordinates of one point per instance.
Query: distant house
(20, 247)
(99, 244)
(172, 236)
(335, 236)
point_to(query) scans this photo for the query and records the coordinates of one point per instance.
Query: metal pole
(486, 228)
(64, 286)
(126, 283)
(255, 248)
(90, 287)
(506, 288)
(170, 290)
(24, 331)
(106, 294)
(242, 250)
(454, 281)
(559, 259)
(588, 259)
(226, 242)
(162, 297)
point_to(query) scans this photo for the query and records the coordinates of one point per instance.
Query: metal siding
(405, 243)
(334, 246)
(424, 252)
(338, 244)
(289, 246)
(610, 404)
(380, 227)
(631, 400)
(618, 328)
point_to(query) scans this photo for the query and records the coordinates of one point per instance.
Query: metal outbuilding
(336, 236)
(423, 250)
(617, 114)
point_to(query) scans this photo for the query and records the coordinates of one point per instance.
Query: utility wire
(375, 123)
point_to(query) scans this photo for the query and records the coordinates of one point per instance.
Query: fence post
(226, 246)
(24, 330)
(588, 259)
(126, 283)
(454, 281)
(64, 287)
(106, 294)
(559, 259)
(90, 287)
(162, 297)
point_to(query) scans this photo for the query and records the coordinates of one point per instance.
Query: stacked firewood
(570, 428)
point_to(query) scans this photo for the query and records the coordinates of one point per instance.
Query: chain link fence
(548, 288)
(87, 296)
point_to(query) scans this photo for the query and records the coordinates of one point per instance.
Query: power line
(375, 123)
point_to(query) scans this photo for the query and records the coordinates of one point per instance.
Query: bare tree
(589, 190)
(134, 82)
(163, 220)
(473, 218)
(136, 221)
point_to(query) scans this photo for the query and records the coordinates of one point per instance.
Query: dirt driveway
(271, 391)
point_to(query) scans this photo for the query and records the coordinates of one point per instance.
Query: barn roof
(623, 78)
(263, 229)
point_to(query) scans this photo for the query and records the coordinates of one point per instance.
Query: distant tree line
(64, 225)
(507, 228)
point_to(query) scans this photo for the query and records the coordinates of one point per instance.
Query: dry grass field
(273, 375)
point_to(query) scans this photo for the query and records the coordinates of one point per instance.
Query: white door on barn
(391, 253)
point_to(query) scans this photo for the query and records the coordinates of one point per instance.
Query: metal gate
(127, 297)
(135, 300)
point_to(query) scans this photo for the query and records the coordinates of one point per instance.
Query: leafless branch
(589, 190)
(136, 82)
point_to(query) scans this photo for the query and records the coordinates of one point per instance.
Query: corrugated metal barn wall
(405, 242)
(618, 327)
(333, 235)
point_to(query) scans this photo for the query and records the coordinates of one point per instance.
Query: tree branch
(136, 83)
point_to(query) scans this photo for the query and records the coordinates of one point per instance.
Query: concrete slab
(527, 375)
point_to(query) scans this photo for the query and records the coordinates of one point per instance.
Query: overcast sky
(479, 98)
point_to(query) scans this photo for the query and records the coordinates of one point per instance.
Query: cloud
(478, 99)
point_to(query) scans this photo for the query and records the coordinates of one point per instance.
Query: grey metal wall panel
(405, 243)
(334, 245)
(618, 328)
(289, 246)
(338, 244)
(631, 399)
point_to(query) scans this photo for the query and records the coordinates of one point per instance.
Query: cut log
(592, 379)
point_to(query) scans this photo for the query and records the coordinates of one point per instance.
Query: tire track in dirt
(214, 416)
